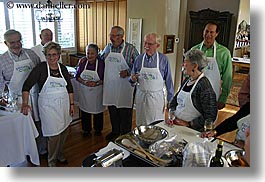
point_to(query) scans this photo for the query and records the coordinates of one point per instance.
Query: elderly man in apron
(16, 64)
(151, 70)
(117, 91)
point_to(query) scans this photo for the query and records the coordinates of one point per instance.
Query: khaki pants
(55, 148)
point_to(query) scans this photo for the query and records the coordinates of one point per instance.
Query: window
(23, 19)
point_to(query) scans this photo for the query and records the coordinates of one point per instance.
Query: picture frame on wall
(169, 41)
(135, 32)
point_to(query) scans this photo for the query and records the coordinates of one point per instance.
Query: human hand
(134, 77)
(91, 83)
(123, 73)
(220, 105)
(25, 108)
(208, 134)
(72, 110)
(169, 122)
(181, 122)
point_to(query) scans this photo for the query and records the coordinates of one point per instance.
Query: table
(240, 62)
(189, 135)
(17, 139)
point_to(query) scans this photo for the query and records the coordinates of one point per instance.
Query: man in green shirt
(217, 53)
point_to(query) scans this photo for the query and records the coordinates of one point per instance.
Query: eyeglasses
(15, 42)
(113, 35)
(149, 44)
(51, 55)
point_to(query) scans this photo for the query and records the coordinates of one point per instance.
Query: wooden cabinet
(74, 58)
(198, 21)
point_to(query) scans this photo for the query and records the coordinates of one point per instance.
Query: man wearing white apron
(15, 66)
(151, 70)
(91, 91)
(117, 91)
(220, 62)
(149, 94)
(212, 73)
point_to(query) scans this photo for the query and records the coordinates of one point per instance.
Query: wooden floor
(77, 147)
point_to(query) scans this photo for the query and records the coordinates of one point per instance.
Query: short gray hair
(120, 30)
(154, 34)
(11, 32)
(93, 46)
(52, 45)
(196, 56)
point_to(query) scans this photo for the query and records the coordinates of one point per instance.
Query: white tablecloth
(191, 135)
(17, 139)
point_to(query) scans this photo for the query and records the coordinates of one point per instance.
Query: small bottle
(217, 160)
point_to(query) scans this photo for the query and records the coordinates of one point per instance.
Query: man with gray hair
(15, 65)
(117, 91)
(150, 70)
(46, 35)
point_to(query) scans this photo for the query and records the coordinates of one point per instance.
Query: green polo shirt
(224, 61)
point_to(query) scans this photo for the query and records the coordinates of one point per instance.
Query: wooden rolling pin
(150, 156)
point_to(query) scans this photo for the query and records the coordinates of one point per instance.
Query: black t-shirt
(39, 75)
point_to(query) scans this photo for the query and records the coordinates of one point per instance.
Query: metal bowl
(149, 134)
(235, 158)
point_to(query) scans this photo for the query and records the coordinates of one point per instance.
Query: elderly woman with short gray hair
(56, 101)
(196, 100)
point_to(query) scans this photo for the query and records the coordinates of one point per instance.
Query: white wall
(161, 17)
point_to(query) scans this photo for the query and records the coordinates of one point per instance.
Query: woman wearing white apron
(90, 74)
(55, 101)
(196, 100)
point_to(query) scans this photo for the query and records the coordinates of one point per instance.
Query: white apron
(91, 98)
(242, 125)
(149, 97)
(21, 71)
(185, 110)
(212, 73)
(117, 91)
(54, 105)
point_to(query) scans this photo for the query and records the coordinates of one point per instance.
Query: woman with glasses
(56, 101)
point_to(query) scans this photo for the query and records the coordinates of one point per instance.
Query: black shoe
(64, 161)
(98, 133)
(111, 136)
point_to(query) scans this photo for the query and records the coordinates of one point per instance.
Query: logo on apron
(149, 76)
(24, 68)
(180, 102)
(55, 85)
(114, 60)
(210, 66)
(88, 77)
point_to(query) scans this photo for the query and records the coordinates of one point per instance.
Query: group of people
(116, 78)
(43, 88)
